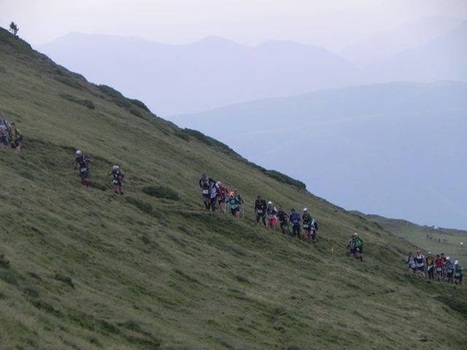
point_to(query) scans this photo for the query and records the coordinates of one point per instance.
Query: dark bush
(207, 140)
(64, 279)
(68, 82)
(110, 91)
(285, 179)
(141, 205)
(136, 112)
(184, 136)
(161, 192)
(31, 292)
(86, 103)
(140, 104)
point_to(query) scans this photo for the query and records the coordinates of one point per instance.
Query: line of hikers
(439, 267)
(10, 135)
(81, 165)
(215, 195)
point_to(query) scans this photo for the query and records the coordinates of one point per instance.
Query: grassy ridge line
(432, 239)
(92, 270)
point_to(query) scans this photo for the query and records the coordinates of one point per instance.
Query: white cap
(219, 183)
(448, 258)
(78, 152)
(305, 209)
(269, 202)
(456, 262)
(355, 234)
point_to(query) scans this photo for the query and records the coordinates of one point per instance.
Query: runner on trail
(222, 194)
(283, 221)
(458, 272)
(241, 201)
(449, 270)
(4, 132)
(430, 266)
(439, 263)
(294, 219)
(306, 221)
(117, 179)
(82, 165)
(207, 184)
(420, 262)
(260, 210)
(271, 213)
(410, 261)
(234, 203)
(16, 138)
(356, 247)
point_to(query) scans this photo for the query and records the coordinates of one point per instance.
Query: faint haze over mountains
(389, 43)
(212, 72)
(208, 73)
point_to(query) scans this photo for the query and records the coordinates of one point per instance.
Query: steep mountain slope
(206, 74)
(395, 149)
(92, 270)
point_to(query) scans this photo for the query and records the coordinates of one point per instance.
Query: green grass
(431, 239)
(90, 269)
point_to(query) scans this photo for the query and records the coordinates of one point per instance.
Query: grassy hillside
(93, 270)
(434, 239)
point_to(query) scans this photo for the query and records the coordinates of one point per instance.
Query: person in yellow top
(15, 138)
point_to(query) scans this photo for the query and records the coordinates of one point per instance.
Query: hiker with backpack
(207, 186)
(222, 194)
(82, 165)
(430, 266)
(4, 132)
(356, 247)
(295, 220)
(458, 273)
(235, 204)
(271, 213)
(240, 201)
(260, 210)
(439, 265)
(420, 263)
(283, 221)
(117, 179)
(306, 222)
(310, 226)
(449, 270)
(16, 138)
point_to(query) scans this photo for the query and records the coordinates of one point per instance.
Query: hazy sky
(328, 23)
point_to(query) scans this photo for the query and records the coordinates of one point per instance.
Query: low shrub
(141, 205)
(161, 192)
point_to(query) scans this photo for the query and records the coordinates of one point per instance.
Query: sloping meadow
(89, 269)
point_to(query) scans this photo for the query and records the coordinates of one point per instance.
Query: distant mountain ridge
(202, 75)
(213, 72)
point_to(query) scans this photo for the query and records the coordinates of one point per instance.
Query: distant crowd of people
(216, 196)
(10, 135)
(439, 267)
